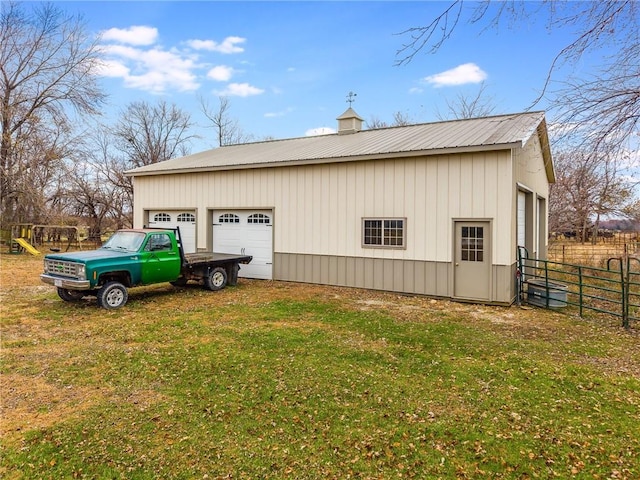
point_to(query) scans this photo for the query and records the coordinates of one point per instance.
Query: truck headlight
(82, 272)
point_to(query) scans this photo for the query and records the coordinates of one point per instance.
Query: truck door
(161, 259)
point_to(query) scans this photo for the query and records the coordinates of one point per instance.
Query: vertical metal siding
(409, 276)
(318, 209)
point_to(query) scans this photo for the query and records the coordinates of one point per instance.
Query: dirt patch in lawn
(30, 402)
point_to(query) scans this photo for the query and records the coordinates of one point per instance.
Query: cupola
(349, 122)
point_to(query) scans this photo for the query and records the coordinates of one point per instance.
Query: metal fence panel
(614, 290)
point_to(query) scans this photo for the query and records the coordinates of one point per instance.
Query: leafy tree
(47, 72)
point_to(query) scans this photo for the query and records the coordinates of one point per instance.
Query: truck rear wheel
(217, 279)
(112, 295)
(70, 295)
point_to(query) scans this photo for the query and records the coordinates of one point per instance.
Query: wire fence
(589, 254)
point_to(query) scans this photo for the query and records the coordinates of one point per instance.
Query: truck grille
(59, 267)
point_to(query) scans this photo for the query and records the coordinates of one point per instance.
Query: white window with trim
(384, 232)
(186, 217)
(162, 217)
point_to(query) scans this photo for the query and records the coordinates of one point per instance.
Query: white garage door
(185, 220)
(522, 218)
(248, 232)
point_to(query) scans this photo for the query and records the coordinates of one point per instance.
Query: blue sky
(287, 67)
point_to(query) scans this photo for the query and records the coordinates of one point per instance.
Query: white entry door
(248, 232)
(171, 219)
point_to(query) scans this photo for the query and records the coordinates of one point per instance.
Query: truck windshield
(126, 241)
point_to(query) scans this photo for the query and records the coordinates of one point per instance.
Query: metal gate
(613, 291)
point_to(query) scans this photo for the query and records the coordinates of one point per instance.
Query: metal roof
(487, 133)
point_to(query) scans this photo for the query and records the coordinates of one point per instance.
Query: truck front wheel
(217, 279)
(112, 295)
(70, 295)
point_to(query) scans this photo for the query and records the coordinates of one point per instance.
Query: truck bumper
(68, 283)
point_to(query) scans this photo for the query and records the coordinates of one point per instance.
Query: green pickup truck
(133, 257)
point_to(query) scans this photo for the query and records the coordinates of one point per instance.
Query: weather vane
(351, 98)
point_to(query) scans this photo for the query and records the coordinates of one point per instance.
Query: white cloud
(460, 75)
(112, 68)
(279, 114)
(154, 70)
(228, 45)
(134, 55)
(129, 53)
(220, 73)
(313, 132)
(415, 90)
(202, 44)
(240, 90)
(134, 35)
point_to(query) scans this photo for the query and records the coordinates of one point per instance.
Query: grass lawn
(279, 380)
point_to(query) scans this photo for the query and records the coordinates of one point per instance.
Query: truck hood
(88, 256)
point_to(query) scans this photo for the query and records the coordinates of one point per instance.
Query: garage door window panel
(162, 217)
(259, 218)
(228, 218)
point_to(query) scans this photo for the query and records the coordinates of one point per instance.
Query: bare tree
(588, 187)
(145, 134)
(148, 134)
(47, 71)
(464, 106)
(604, 107)
(109, 165)
(39, 161)
(604, 110)
(228, 130)
(88, 197)
(375, 122)
(399, 119)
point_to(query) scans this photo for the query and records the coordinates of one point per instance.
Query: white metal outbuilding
(436, 208)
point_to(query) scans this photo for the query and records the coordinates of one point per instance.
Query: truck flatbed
(214, 257)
